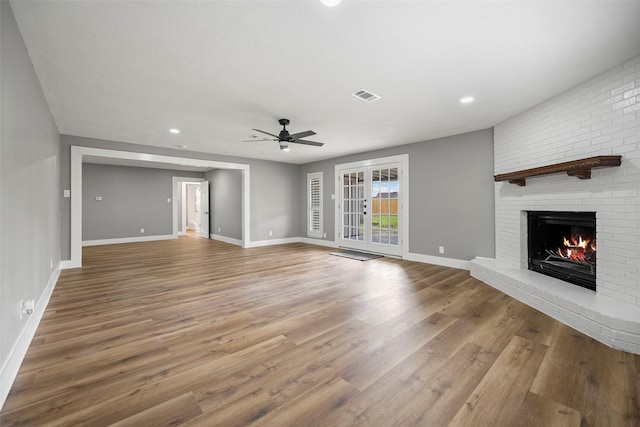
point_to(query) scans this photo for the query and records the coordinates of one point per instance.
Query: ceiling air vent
(365, 95)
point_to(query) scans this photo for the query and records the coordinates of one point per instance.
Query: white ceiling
(130, 70)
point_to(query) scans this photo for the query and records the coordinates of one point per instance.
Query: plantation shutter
(314, 184)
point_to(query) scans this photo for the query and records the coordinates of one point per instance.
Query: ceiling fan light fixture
(284, 146)
(330, 3)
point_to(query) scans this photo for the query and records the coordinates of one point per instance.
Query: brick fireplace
(600, 117)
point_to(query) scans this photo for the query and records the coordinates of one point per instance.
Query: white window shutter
(314, 188)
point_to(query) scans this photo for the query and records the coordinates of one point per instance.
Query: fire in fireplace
(563, 245)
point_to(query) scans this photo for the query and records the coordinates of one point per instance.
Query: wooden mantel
(578, 168)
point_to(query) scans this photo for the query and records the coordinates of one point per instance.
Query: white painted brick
(632, 108)
(622, 89)
(612, 100)
(579, 123)
(632, 92)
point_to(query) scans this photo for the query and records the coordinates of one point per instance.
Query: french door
(370, 208)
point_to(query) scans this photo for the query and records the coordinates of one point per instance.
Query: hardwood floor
(201, 333)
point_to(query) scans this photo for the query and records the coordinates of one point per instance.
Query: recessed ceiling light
(174, 130)
(466, 100)
(330, 3)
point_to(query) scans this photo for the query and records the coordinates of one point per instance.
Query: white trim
(76, 208)
(226, 239)
(437, 260)
(319, 242)
(10, 369)
(66, 265)
(403, 159)
(400, 158)
(77, 153)
(246, 206)
(128, 240)
(260, 243)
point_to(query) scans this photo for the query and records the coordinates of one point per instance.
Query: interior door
(203, 210)
(370, 208)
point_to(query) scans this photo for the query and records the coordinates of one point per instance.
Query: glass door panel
(385, 192)
(353, 206)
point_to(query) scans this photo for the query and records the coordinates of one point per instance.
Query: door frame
(403, 159)
(181, 229)
(77, 154)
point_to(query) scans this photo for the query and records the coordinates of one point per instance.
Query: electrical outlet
(21, 308)
(168, 199)
(99, 198)
(324, 235)
(142, 231)
(218, 229)
(441, 249)
(270, 233)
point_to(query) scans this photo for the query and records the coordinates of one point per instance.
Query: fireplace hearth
(563, 245)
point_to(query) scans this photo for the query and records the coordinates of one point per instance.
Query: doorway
(371, 215)
(194, 207)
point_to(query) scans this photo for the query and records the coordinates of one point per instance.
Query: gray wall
(226, 203)
(451, 194)
(274, 188)
(132, 198)
(29, 191)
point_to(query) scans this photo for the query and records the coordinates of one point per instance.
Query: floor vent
(365, 95)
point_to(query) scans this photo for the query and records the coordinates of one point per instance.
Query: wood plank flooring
(201, 333)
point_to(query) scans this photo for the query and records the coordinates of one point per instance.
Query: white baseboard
(65, 265)
(319, 242)
(10, 369)
(260, 243)
(226, 239)
(436, 260)
(128, 240)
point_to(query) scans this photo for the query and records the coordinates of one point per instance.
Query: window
(314, 204)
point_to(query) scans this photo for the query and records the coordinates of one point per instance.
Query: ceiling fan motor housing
(284, 133)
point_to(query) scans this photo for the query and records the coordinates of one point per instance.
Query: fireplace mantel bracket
(578, 168)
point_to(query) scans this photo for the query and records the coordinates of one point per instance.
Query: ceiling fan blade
(259, 140)
(267, 133)
(302, 134)
(302, 141)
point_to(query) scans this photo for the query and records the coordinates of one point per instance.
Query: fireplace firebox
(563, 245)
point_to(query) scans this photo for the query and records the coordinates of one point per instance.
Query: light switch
(67, 193)
(98, 198)
(168, 199)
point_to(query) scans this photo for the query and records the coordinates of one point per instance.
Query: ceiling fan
(284, 138)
